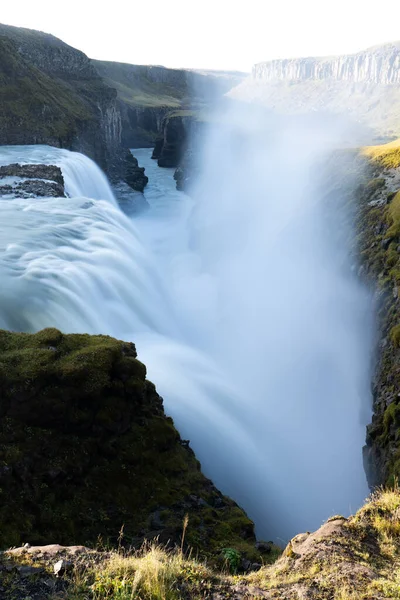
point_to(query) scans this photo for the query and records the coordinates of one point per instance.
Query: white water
(252, 329)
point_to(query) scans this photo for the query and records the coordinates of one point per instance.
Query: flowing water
(256, 337)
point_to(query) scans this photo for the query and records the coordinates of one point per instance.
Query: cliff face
(85, 448)
(149, 94)
(51, 94)
(375, 65)
(363, 88)
(379, 240)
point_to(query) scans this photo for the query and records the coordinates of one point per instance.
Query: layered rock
(86, 448)
(380, 64)
(363, 89)
(148, 94)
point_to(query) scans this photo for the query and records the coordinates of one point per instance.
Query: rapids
(268, 379)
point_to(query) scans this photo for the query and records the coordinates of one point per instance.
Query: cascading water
(241, 303)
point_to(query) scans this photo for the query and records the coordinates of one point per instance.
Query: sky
(210, 34)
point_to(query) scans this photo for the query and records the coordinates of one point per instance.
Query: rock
(62, 566)
(245, 564)
(375, 65)
(89, 448)
(28, 571)
(52, 94)
(158, 148)
(32, 171)
(34, 189)
(32, 181)
(264, 547)
(174, 141)
(134, 175)
(386, 243)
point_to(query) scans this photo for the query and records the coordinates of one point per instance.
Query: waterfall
(240, 301)
(82, 176)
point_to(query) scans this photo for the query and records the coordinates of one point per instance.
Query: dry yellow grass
(386, 155)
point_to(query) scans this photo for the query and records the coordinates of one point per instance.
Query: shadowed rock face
(85, 447)
(134, 175)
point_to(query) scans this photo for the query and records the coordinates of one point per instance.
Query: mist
(242, 298)
(276, 398)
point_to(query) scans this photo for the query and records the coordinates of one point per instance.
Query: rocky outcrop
(27, 181)
(86, 448)
(33, 172)
(180, 134)
(134, 175)
(380, 64)
(345, 559)
(379, 239)
(188, 169)
(170, 149)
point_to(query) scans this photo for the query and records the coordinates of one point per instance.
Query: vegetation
(85, 447)
(386, 155)
(142, 86)
(33, 101)
(379, 241)
(355, 558)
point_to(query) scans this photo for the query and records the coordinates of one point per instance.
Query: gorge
(169, 284)
(248, 255)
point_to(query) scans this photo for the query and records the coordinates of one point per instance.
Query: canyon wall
(380, 64)
(362, 89)
(51, 94)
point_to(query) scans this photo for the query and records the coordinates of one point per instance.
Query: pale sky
(214, 34)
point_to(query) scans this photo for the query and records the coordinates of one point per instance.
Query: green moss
(379, 239)
(85, 447)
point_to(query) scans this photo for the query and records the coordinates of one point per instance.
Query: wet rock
(32, 181)
(158, 148)
(50, 172)
(134, 175)
(173, 143)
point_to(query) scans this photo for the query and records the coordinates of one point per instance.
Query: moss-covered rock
(379, 239)
(86, 449)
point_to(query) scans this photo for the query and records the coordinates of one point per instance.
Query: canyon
(252, 263)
